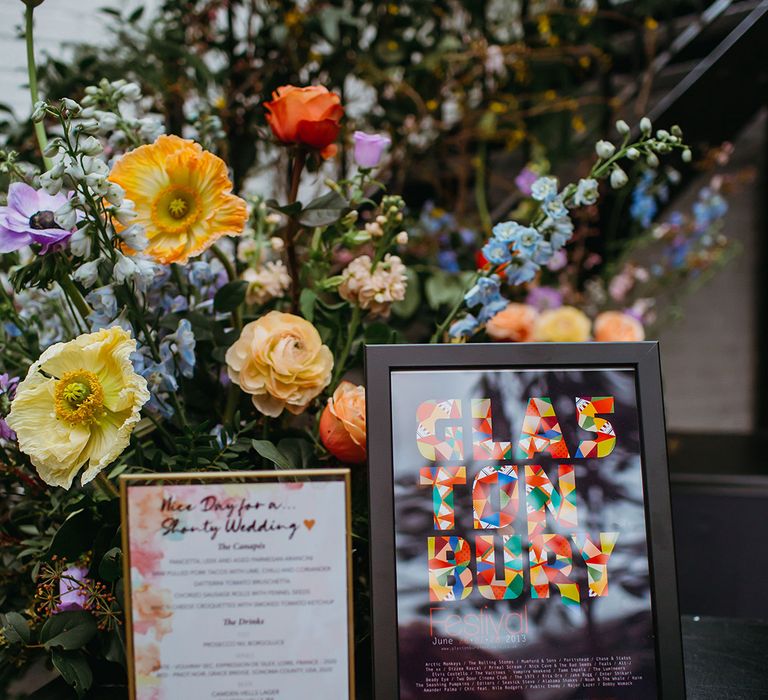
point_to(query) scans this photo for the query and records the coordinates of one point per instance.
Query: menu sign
(522, 560)
(239, 585)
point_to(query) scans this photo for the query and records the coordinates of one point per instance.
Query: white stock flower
(80, 243)
(125, 269)
(135, 237)
(65, 216)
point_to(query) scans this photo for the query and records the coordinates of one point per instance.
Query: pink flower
(369, 148)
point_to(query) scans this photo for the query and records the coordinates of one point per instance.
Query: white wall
(58, 23)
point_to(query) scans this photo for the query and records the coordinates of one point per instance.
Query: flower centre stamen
(178, 208)
(42, 220)
(79, 397)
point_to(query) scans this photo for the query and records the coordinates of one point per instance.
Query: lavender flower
(29, 218)
(71, 593)
(543, 298)
(525, 179)
(369, 148)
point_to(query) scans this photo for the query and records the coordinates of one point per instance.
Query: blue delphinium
(544, 189)
(160, 381)
(464, 327)
(497, 252)
(180, 346)
(643, 206)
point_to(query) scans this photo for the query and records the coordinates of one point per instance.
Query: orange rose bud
(342, 424)
(515, 323)
(307, 116)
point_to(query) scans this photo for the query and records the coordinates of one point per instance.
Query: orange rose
(342, 425)
(618, 327)
(308, 116)
(514, 323)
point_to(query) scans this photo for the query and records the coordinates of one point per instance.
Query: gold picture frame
(128, 480)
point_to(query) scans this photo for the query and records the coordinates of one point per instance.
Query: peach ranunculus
(565, 324)
(618, 327)
(281, 361)
(515, 323)
(307, 116)
(342, 425)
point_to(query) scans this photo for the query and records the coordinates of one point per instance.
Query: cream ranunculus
(281, 361)
(78, 405)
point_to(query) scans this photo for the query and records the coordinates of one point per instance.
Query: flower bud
(618, 178)
(130, 92)
(687, 156)
(604, 149)
(622, 127)
(652, 160)
(276, 243)
(645, 126)
(662, 135)
(401, 238)
(52, 148)
(87, 274)
(676, 131)
(38, 113)
(91, 146)
(633, 153)
(135, 237)
(65, 216)
(88, 126)
(71, 106)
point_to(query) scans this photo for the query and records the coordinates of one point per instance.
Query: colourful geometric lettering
(489, 586)
(482, 433)
(602, 444)
(596, 556)
(442, 480)
(541, 495)
(450, 577)
(451, 445)
(544, 574)
(486, 516)
(541, 431)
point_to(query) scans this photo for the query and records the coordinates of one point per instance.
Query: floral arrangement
(155, 319)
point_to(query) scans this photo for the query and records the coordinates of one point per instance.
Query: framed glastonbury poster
(521, 538)
(238, 585)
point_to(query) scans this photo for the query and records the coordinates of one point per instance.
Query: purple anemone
(29, 218)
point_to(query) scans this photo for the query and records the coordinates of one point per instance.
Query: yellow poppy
(183, 197)
(78, 405)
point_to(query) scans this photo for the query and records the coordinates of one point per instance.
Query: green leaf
(230, 296)
(114, 649)
(298, 452)
(69, 630)
(16, 629)
(287, 209)
(74, 669)
(324, 210)
(307, 304)
(408, 306)
(111, 565)
(267, 450)
(443, 289)
(74, 536)
(379, 334)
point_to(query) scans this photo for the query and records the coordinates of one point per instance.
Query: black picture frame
(643, 358)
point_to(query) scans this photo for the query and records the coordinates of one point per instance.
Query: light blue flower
(497, 252)
(200, 274)
(181, 345)
(586, 192)
(448, 260)
(171, 305)
(543, 253)
(521, 270)
(104, 306)
(464, 327)
(484, 290)
(490, 309)
(544, 189)
(12, 329)
(507, 231)
(555, 207)
(527, 240)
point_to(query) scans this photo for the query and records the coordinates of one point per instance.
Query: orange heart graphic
(309, 523)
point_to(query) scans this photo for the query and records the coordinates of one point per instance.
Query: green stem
(341, 362)
(438, 334)
(292, 229)
(237, 316)
(73, 293)
(106, 485)
(233, 397)
(42, 139)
